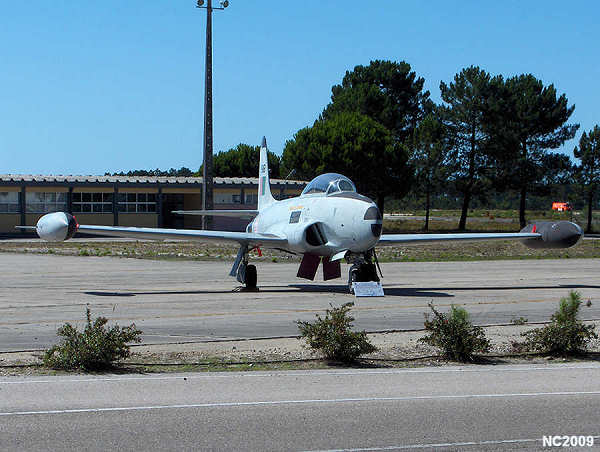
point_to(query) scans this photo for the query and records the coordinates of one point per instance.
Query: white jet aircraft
(327, 223)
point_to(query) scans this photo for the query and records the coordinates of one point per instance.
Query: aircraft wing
(245, 238)
(413, 239)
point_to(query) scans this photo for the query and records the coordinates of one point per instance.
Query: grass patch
(471, 251)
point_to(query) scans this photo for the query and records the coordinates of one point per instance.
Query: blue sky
(94, 86)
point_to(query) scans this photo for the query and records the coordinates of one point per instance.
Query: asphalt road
(186, 301)
(452, 408)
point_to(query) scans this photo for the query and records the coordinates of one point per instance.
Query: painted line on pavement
(297, 402)
(433, 445)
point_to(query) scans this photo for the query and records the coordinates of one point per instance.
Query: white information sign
(368, 289)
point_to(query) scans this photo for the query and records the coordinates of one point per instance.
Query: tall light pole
(207, 178)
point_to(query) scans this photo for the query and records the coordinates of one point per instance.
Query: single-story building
(129, 200)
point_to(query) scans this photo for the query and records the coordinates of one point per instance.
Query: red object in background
(259, 252)
(561, 206)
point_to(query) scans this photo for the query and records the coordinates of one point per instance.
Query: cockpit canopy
(328, 184)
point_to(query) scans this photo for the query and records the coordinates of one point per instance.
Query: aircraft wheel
(371, 271)
(250, 278)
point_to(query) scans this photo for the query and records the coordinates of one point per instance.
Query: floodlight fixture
(200, 4)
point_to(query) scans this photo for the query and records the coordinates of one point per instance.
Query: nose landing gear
(364, 268)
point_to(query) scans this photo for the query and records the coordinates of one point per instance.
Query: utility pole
(207, 171)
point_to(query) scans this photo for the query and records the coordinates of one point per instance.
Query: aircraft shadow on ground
(557, 286)
(292, 288)
(162, 292)
(431, 292)
(391, 291)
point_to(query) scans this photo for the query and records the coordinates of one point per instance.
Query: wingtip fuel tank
(56, 227)
(553, 234)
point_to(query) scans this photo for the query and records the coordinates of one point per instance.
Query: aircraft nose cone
(574, 234)
(559, 234)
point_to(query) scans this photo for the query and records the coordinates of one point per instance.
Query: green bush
(333, 335)
(96, 348)
(565, 335)
(455, 334)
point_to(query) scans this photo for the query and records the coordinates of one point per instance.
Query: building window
(137, 202)
(227, 198)
(9, 202)
(45, 202)
(251, 198)
(92, 202)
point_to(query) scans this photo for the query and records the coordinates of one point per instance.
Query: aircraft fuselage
(322, 224)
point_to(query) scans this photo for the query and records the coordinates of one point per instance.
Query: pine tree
(588, 152)
(463, 114)
(431, 158)
(528, 119)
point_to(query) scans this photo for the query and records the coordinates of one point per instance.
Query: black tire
(371, 271)
(250, 278)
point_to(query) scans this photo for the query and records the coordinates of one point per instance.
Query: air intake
(315, 235)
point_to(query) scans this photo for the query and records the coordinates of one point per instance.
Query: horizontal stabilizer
(219, 213)
(26, 228)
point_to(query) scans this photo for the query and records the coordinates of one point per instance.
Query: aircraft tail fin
(264, 184)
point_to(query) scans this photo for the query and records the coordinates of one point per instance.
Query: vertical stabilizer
(264, 185)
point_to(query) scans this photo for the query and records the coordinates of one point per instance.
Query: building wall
(197, 191)
(192, 201)
(141, 220)
(8, 221)
(96, 219)
(31, 218)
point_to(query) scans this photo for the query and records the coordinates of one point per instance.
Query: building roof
(166, 180)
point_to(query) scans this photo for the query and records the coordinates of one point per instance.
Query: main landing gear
(247, 275)
(243, 271)
(364, 268)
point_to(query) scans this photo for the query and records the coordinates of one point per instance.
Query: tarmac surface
(469, 408)
(192, 301)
